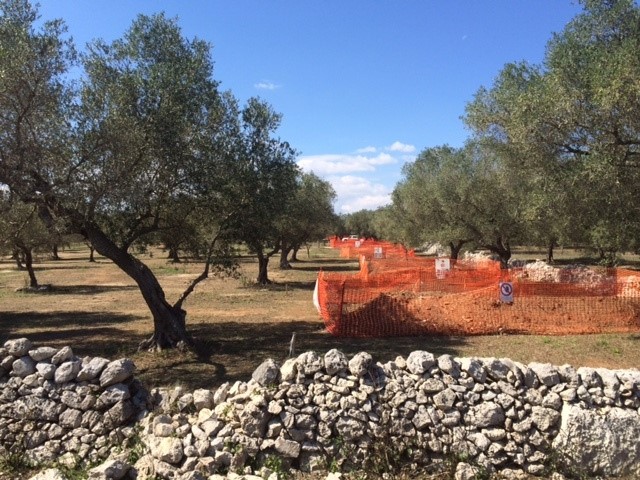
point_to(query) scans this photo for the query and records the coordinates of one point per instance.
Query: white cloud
(362, 180)
(336, 164)
(356, 193)
(401, 147)
(368, 149)
(266, 85)
(368, 202)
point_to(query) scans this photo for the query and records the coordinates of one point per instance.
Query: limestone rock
(287, 448)
(601, 443)
(49, 474)
(268, 373)
(464, 471)
(18, 347)
(92, 369)
(289, 370)
(335, 361)
(167, 449)
(309, 363)
(23, 366)
(64, 354)
(202, 398)
(360, 364)
(420, 361)
(46, 370)
(67, 371)
(547, 373)
(485, 415)
(42, 353)
(117, 372)
(109, 470)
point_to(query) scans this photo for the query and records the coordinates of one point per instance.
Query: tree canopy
(143, 144)
(574, 120)
(555, 152)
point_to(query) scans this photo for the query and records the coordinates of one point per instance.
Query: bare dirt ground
(97, 309)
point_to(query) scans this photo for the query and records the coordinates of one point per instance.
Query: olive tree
(146, 127)
(574, 121)
(264, 179)
(308, 217)
(460, 196)
(23, 234)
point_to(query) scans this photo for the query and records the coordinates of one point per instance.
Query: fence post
(342, 299)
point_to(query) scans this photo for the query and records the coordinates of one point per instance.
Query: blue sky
(363, 86)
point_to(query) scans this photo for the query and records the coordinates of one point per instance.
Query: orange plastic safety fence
(413, 301)
(355, 248)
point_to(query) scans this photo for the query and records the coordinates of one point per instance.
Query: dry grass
(98, 310)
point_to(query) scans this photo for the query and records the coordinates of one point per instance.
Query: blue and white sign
(506, 292)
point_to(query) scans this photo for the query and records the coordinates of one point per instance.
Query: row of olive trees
(144, 145)
(555, 152)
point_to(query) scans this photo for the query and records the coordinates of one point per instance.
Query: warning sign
(378, 252)
(443, 265)
(506, 292)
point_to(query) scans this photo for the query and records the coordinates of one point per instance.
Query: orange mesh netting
(356, 248)
(404, 296)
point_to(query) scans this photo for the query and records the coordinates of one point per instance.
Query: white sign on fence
(443, 265)
(377, 252)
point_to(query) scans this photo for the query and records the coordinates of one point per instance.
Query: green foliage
(308, 215)
(145, 148)
(560, 462)
(459, 197)
(360, 223)
(571, 124)
(15, 463)
(277, 466)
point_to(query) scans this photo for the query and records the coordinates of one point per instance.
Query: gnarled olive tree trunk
(502, 248)
(168, 320)
(28, 263)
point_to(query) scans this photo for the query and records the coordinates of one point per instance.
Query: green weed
(15, 463)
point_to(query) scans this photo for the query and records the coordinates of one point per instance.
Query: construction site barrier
(411, 297)
(369, 248)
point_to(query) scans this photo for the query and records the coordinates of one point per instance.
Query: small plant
(244, 281)
(333, 466)
(558, 461)
(74, 473)
(15, 463)
(277, 466)
(135, 447)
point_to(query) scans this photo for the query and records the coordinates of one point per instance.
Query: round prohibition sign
(506, 289)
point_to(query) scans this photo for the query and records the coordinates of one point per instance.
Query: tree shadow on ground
(224, 351)
(291, 285)
(326, 265)
(281, 286)
(49, 267)
(85, 289)
(88, 333)
(241, 347)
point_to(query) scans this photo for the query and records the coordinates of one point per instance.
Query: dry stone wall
(54, 405)
(319, 412)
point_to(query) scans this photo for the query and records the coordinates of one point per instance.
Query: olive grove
(143, 144)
